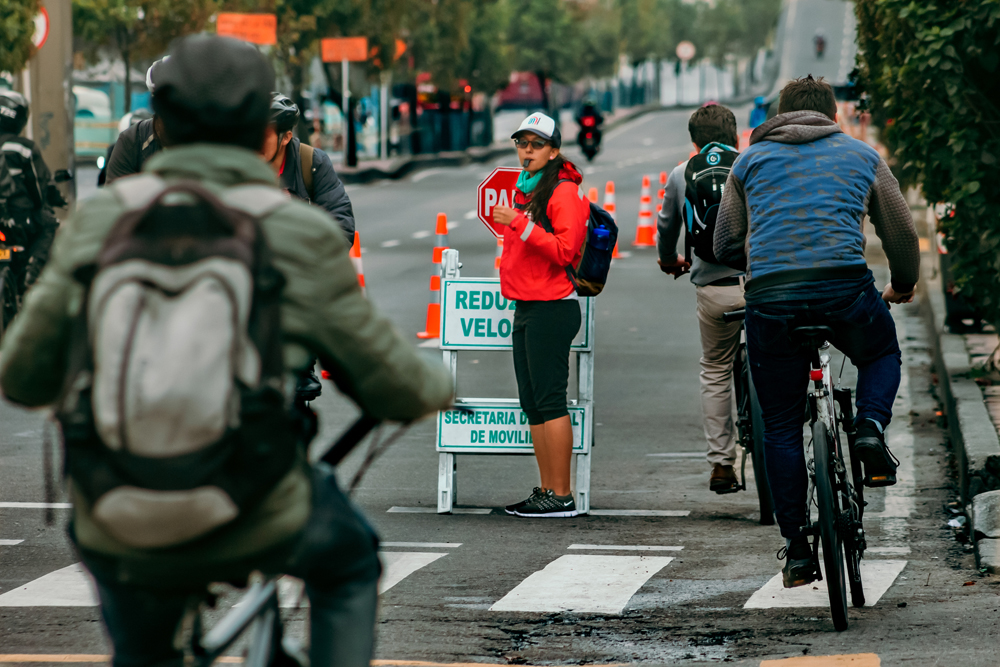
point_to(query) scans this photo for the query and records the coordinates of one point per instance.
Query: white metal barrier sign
(499, 426)
(475, 315)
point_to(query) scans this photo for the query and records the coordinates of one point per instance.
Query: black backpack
(591, 274)
(705, 179)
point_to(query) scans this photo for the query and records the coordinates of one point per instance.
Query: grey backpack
(174, 413)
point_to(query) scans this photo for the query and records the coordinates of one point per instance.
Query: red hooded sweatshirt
(534, 261)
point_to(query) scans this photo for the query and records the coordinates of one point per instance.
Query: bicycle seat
(812, 337)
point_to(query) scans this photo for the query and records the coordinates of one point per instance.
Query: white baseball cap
(540, 124)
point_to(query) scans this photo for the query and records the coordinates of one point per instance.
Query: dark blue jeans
(864, 331)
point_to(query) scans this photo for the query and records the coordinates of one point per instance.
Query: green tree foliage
(17, 25)
(599, 30)
(137, 29)
(542, 39)
(485, 62)
(930, 68)
(736, 27)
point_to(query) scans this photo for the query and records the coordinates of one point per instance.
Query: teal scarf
(526, 182)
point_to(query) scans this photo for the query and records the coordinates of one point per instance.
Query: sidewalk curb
(405, 166)
(975, 441)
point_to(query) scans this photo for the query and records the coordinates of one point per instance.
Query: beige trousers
(719, 341)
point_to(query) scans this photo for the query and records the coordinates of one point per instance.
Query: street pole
(383, 96)
(345, 96)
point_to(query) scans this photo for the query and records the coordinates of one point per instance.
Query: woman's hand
(504, 215)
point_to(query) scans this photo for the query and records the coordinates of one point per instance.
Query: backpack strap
(306, 157)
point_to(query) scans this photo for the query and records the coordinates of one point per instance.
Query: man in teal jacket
(213, 98)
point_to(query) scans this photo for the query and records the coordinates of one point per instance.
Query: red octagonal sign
(496, 190)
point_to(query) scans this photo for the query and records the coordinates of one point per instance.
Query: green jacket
(323, 312)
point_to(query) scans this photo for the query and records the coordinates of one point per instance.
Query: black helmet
(284, 113)
(13, 111)
(215, 90)
(153, 73)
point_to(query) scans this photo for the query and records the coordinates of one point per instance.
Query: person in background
(792, 217)
(139, 141)
(759, 113)
(305, 172)
(215, 117)
(127, 121)
(542, 238)
(719, 290)
(31, 194)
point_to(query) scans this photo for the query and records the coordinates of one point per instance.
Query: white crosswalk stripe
(877, 576)
(583, 584)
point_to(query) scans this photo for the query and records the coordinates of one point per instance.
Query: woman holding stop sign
(543, 235)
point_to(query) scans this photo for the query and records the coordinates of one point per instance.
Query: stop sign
(496, 190)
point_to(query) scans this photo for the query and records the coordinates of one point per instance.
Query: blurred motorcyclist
(590, 120)
(305, 172)
(819, 40)
(139, 141)
(29, 220)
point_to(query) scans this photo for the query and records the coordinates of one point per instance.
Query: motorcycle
(589, 137)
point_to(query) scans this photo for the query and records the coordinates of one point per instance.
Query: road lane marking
(640, 512)
(680, 455)
(433, 342)
(10, 543)
(623, 547)
(422, 234)
(401, 564)
(70, 586)
(423, 545)
(877, 576)
(433, 510)
(583, 584)
(391, 243)
(471, 215)
(426, 173)
(856, 660)
(37, 506)
(452, 224)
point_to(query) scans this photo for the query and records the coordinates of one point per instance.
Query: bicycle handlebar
(734, 316)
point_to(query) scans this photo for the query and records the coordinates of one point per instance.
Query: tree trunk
(542, 78)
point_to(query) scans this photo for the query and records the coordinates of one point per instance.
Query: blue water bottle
(600, 238)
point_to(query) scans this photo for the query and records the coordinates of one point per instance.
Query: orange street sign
(336, 49)
(253, 28)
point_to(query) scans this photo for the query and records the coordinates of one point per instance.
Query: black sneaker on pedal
(512, 509)
(879, 463)
(800, 568)
(548, 505)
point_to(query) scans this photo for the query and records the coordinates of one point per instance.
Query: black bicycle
(750, 425)
(837, 492)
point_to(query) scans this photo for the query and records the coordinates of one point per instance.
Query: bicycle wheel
(757, 455)
(8, 293)
(829, 518)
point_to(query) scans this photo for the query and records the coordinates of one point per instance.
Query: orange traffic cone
(356, 261)
(609, 206)
(644, 230)
(496, 261)
(432, 329)
(745, 140)
(592, 195)
(661, 192)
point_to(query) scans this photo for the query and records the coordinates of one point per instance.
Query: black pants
(543, 332)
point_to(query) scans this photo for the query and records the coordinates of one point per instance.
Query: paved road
(478, 586)
(604, 601)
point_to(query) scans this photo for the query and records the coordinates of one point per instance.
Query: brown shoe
(723, 479)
